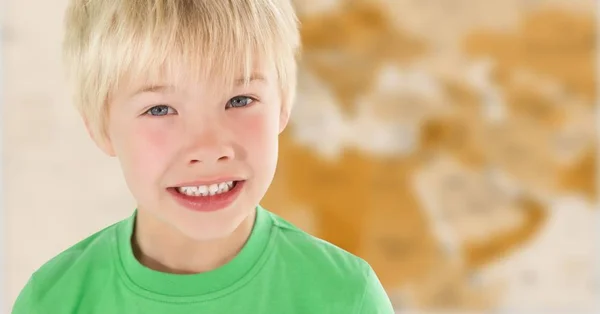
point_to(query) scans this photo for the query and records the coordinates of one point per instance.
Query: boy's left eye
(239, 101)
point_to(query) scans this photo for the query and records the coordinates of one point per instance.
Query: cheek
(143, 150)
(153, 137)
(257, 134)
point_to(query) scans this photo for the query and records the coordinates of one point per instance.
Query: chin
(208, 235)
(212, 227)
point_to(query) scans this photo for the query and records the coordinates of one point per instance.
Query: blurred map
(451, 144)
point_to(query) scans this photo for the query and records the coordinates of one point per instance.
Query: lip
(210, 203)
(208, 181)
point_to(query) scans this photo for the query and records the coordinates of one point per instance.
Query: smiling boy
(191, 96)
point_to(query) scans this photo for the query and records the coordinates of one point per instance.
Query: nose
(209, 146)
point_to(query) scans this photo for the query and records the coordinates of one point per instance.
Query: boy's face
(198, 135)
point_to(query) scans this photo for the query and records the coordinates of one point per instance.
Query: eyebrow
(251, 78)
(166, 88)
(155, 89)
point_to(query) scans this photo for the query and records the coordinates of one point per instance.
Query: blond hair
(109, 40)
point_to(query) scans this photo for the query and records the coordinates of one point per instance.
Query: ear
(284, 116)
(101, 139)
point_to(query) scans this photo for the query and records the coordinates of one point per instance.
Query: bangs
(212, 41)
(170, 41)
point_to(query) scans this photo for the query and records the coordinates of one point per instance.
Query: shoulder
(326, 262)
(98, 249)
(311, 250)
(69, 267)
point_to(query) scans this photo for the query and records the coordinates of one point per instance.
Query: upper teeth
(205, 190)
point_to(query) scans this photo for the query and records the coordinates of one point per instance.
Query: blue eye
(160, 110)
(239, 101)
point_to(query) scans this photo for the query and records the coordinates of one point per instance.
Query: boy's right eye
(160, 110)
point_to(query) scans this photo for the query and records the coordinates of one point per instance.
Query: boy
(190, 96)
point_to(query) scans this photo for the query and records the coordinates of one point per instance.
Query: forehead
(172, 77)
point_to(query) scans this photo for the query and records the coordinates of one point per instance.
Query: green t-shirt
(281, 269)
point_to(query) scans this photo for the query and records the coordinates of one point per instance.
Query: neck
(163, 248)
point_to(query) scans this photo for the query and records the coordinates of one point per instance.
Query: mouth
(207, 197)
(207, 189)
